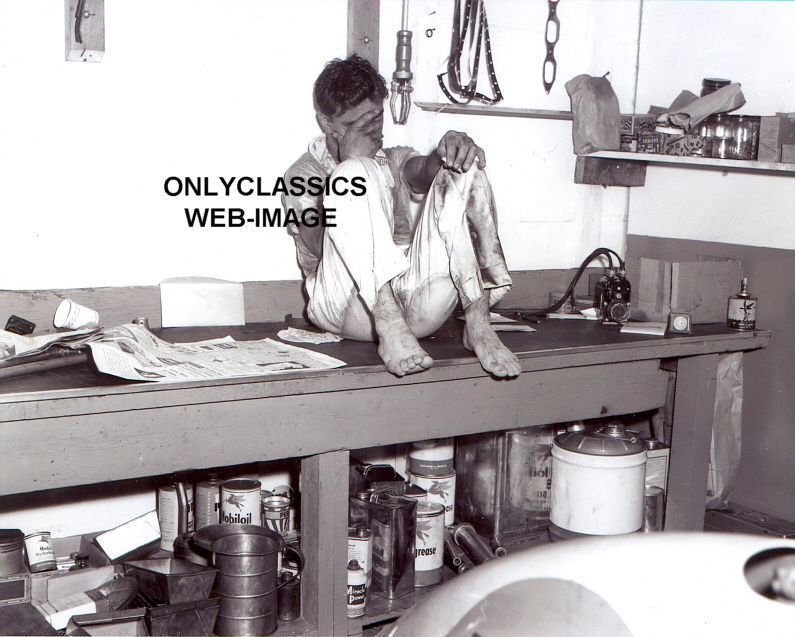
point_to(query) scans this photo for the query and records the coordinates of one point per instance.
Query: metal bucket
(247, 559)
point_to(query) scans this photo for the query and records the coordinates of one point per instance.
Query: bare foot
(397, 345)
(401, 352)
(494, 357)
(480, 337)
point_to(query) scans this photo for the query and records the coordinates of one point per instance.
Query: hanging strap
(474, 14)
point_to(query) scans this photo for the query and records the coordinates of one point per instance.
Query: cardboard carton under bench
(701, 287)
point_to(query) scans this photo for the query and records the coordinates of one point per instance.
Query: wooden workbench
(74, 426)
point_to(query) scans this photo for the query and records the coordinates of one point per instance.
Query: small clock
(679, 322)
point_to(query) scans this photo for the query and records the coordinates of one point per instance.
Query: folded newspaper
(133, 352)
(15, 347)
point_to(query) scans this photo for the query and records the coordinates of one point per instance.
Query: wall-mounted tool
(400, 101)
(466, 23)
(85, 30)
(551, 36)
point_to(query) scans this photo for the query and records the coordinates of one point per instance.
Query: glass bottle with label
(741, 314)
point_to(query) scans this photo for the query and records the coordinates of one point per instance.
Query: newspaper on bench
(133, 352)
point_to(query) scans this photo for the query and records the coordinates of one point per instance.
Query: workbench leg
(694, 407)
(324, 532)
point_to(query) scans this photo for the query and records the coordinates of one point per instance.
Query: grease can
(440, 489)
(429, 544)
(240, 502)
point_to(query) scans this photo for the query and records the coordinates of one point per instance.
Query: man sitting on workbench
(379, 274)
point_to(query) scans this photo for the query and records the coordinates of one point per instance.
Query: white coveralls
(454, 253)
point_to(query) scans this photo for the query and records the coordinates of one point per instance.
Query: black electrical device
(612, 292)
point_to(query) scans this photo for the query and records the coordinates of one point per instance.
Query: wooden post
(363, 25)
(694, 408)
(324, 532)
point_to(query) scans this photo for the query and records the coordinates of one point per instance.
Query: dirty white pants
(454, 255)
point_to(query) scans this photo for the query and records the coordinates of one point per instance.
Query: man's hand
(458, 151)
(364, 137)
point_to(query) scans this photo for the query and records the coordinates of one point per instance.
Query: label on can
(432, 458)
(382, 551)
(360, 548)
(741, 314)
(41, 555)
(240, 502)
(168, 514)
(276, 513)
(429, 544)
(657, 455)
(440, 489)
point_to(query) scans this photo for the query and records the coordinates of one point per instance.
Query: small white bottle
(357, 589)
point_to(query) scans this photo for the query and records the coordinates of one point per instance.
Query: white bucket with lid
(598, 483)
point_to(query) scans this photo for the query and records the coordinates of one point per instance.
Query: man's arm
(455, 150)
(311, 236)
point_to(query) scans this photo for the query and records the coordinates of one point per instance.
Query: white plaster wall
(747, 42)
(223, 87)
(186, 88)
(546, 221)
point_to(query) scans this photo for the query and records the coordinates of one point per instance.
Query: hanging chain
(550, 65)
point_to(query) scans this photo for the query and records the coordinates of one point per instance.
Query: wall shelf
(724, 164)
(497, 111)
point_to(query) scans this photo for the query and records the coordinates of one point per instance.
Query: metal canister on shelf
(11, 551)
(357, 590)
(240, 502)
(174, 512)
(440, 489)
(207, 502)
(41, 556)
(432, 457)
(360, 548)
(276, 513)
(288, 596)
(429, 544)
(746, 140)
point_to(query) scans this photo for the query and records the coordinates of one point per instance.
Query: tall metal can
(440, 489)
(429, 545)
(207, 503)
(169, 513)
(240, 502)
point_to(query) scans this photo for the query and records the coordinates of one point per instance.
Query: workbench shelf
(51, 421)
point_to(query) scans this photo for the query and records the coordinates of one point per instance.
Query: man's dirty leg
(480, 337)
(397, 345)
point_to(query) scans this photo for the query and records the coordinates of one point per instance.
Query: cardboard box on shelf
(701, 287)
(775, 132)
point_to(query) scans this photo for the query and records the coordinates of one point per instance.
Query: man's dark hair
(344, 84)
